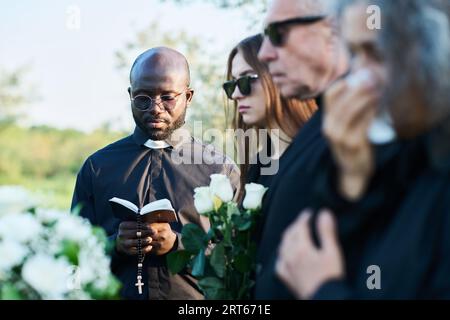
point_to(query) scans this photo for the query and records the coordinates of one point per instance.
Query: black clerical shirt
(130, 170)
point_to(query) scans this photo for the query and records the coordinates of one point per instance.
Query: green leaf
(77, 209)
(70, 250)
(217, 260)
(100, 234)
(242, 222)
(232, 209)
(112, 290)
(245, 225)
(243, 263)
(198, 267)
(10, 292)
(193, 238)
(177, 260)
(213, 288)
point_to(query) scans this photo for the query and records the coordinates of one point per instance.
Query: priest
(159, 160)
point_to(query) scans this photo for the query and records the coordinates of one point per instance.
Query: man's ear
(129, 91)
(189, 96)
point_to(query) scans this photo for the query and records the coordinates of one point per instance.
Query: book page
(126, 204)
(159, 205)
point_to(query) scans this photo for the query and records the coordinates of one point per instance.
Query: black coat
(401, 225)
(289, 192)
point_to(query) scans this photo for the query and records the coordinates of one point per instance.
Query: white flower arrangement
(49, 254)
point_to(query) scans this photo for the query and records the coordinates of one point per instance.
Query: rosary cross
(139, 284)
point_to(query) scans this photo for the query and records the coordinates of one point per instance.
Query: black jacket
(290, 191)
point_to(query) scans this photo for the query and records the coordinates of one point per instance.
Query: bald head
(160, 60)
(160, 91)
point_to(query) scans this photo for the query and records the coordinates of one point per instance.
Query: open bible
(156, 211)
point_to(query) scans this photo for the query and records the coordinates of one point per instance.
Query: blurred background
(64, 74)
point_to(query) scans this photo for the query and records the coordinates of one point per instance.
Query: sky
(69, 48)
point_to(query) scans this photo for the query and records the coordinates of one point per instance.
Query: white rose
(220, 186)
(73, 228)
(22, 227)
(202, 200)
(253, 196)
(47, 275)
(12, 254)
(14, 199)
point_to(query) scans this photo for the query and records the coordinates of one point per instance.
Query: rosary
(140, 254)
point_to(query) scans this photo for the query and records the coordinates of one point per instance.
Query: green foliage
(46, 160)
(70, 250)
(178, 261)
(222, 259)
(10, 292)
(213, 287)
(218, 260)
(193, 238)
(13, 93)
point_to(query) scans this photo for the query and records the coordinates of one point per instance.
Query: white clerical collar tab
(156, 144)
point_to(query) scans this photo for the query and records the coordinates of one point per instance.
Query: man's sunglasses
(243, 83)
(274, 31)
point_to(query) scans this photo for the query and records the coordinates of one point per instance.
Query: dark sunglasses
(243, 83)
(274, 30)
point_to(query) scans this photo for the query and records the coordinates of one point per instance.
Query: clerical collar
(178, 138)
(152, 144)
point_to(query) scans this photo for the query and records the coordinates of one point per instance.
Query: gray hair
(415, 39)
(325, 7)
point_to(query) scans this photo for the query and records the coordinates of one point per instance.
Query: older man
(305, 55)
(160, 160)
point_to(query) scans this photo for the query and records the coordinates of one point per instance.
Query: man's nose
(156, 107)
(267, 52)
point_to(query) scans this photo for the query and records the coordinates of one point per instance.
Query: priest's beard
(161, 134)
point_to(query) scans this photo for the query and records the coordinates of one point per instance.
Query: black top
(290, 191)
(129, 170)
(401, 226)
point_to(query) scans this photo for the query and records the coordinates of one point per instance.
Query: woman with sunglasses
(257, 104)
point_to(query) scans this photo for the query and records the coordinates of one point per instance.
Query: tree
(13, 94)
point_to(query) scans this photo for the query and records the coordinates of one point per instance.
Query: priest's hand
(127, 239)
(350, 108)
(301, 265)
(163, 238)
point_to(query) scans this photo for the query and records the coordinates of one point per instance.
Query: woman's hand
(301, 265)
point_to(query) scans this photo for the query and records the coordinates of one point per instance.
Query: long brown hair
(288, 115)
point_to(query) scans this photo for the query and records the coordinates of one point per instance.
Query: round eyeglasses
(144, 102)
